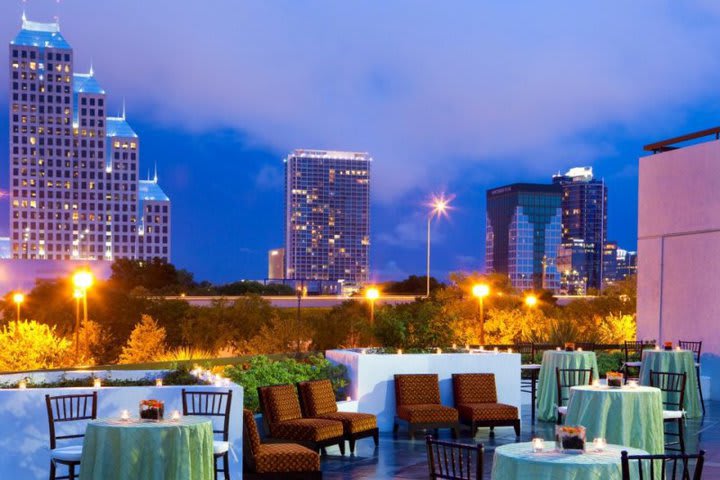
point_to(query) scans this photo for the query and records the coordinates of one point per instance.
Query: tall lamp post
(439, 206)
(82, 280)
(372, 294)
(480, 291)
(18, 298)
(77, 294)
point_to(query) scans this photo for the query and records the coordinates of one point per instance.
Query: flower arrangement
(569, 346)
(570, 437)
(614, 379)
(152, 409)
(668, 345)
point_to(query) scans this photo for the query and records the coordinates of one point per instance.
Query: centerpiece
(569, 346)
(570, 439)
(668, 346)
(614, 379)
(152, 409)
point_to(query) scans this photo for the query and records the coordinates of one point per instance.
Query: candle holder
(438, 350)
(579, 349)
(667, 346)
(632, 383)
(538, 445)
(158, 382)
(558, 349)
(657, 347)
(596, 383)
(509, 350)
(599, 444)
(97, 383)
(175, 415)
(399, 351)
(678, 348)
(348, 398)
(496, 350)
(125, 415)
(22, 385)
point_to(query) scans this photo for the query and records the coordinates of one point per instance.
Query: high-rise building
(610, 263)
(276, 264)
(327, 216)
(523, 234)
(74, 186)
(584, 226)
(626, 264)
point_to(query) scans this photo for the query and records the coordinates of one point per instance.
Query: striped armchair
(318, 401)
(476, 400)
(417, 403)
(283, 416)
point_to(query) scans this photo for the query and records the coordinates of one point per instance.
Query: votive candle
(496, 350)
(175, 415)
(97, 383)
(509, 350)
(600, 444)
(538, 444)
(557, 348)
(438, 350)
(579, 349)
(399, 351)
(23, 384)
(348, 398)
(125, 415)
(657, 347)
(596, 383)
(158, 382)
(632, 383)
(678, 348)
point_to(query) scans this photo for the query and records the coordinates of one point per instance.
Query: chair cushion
(530, 366)
(353, 422)
(633, 364)
(487, 411)
(318, 397)
(286, 457)
(220, 447)
(307, 429)
(474, 388)
(252, 436)
(417, 389)
(427, 413)
(67, 454)
(562, 410)
(282, 403)
(673, 414)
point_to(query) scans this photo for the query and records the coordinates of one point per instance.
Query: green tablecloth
(177, 450)
(547, 382)
(624, 416)
(517, 461)
(682, 361)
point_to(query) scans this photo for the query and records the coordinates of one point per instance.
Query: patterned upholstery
(307, 429)
(474, 388)
(318, 397)
(353, 422)
(251, 432)
(487, 411)
(417, 389)
(431, 413)
(286, 457)
(281, 403)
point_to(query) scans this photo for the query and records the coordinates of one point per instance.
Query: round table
(169, 449)
(630, 416)
(674, 361)
(547, 381)
(517, 461)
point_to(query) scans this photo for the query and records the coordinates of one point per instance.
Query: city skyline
(246, 136)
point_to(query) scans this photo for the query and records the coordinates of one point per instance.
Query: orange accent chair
(417, 403)
(476, 400)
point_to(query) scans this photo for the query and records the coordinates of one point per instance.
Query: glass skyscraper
(74, 186)
(327, 216)
(584, 221)
(523, 224)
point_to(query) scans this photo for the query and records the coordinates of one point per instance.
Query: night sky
(457, 99)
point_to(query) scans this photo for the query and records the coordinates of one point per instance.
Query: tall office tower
(584, 221)
(626, 264)
(610, 263)
(327, 216)
(74, 187)
(523, 224)
(276, 264)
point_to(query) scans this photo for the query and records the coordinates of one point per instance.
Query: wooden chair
(645, 466)
(65, 409)
(476, 401)
(317, 400)
(633, 357)
(673, 389)
(417, 403)
(529, 374)
(566, 378)
(212, 404)
(454, 461)
(275, 461)
(696, 348)
(283, 416)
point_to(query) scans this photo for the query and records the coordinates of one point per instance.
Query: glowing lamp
(481, 290)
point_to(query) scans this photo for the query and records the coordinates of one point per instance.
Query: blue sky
(447, 96)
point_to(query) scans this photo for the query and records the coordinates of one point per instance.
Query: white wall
(372, 382)
(24, 440)
(679, 250)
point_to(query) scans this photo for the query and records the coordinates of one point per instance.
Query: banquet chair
(454, 461)
(696, 348)
(673, 391)
(661, 466)
(283, 417)
(275, 460)
(633, 356)
(317, 400)
(566, 378)
(475, 397)
(66, 409)
(212, 404)
(417, 403)
(531, 370)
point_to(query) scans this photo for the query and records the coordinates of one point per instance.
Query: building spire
(92, 70)
(123, 110)
(156, 175)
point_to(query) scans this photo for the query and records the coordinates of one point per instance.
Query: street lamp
(439, 206)
(18, 298)
(480, 291)
(531, 301)
(372, 294)
(77, 294)
(82, 280)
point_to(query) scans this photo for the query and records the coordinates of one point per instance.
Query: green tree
(413, 285)
(146, 342)
(345, 326)
(29, 345)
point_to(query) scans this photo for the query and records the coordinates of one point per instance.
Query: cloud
(270, 178)
(414, 82)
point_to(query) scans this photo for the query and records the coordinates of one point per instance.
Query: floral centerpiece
(569, 347)
(614, 379)
(668, 345)
(152, 409)
(570, 438)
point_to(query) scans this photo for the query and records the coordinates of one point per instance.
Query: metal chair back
(209, 404)
(667, 467)
(454, 461)
(69, 408)
(634, 349)
(672, 386)
(571, 377)
(526, 348)
(695, 347)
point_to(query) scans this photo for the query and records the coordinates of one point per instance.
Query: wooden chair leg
(516, 426)
(351, 444)
(53, 472)
(681, 433)
(226, 466)
(455, 431)
(699, 382)
(376, 438)
(71, 471)
(341, 445)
